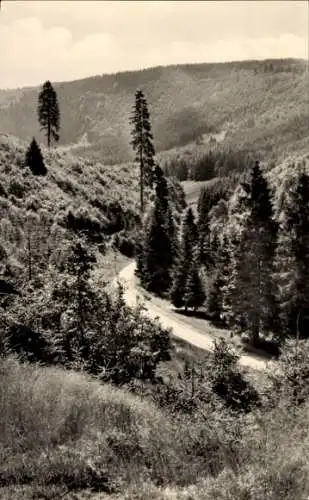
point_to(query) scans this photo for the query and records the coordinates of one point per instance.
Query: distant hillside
(254, 105)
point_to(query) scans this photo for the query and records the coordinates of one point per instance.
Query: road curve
(169, 319)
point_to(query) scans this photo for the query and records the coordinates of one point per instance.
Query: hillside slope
(257, 104)
(76, 196)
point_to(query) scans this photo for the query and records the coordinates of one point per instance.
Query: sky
(67, 40)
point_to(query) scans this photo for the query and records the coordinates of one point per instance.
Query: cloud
(32, 53)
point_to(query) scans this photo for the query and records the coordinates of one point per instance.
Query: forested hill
(254, 105)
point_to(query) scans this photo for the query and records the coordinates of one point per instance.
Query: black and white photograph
(154, 250)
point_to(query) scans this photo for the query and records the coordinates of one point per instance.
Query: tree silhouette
(142, 142)
(48, 112)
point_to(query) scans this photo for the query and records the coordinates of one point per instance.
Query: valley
(157, 353)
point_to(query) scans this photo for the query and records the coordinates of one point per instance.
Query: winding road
(201, 335)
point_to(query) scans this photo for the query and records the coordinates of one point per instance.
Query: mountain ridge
(245, 99)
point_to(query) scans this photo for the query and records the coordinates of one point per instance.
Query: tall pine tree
(48, 112)
(142, 142)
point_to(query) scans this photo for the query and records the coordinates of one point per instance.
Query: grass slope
(253, 104)
(63, 434)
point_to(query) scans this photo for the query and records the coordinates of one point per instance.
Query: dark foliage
(188, 241)
(228, 382)
(194, 296)
(34, 159)
(82, 224)
(158, 251)
(28, 344)
(206, 163)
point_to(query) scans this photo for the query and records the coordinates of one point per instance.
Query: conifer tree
(77, 296)
(194, 296)
(188, 242)
(190, 227)
(250, 290)
(34, 159)
(219, 280)
(207, 200)
(142, 142)
(292, 259)
(48, 112)
(157, 259)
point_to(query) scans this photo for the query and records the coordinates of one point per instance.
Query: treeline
(245, 260)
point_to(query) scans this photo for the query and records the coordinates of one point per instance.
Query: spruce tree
(194, 296)
(34, 159)
(157, 259)
(76, 295)
(250, 291)
(219, 279)
(48, 112)
(292, 260)
(188, 242)
(190, 226)
(142, 142)
(209, 197)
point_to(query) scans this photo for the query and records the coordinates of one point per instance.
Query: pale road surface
(196, 336)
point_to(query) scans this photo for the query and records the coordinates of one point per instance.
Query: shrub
(290, 380)
(16, 189)
(82, 223)
(227, 381)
